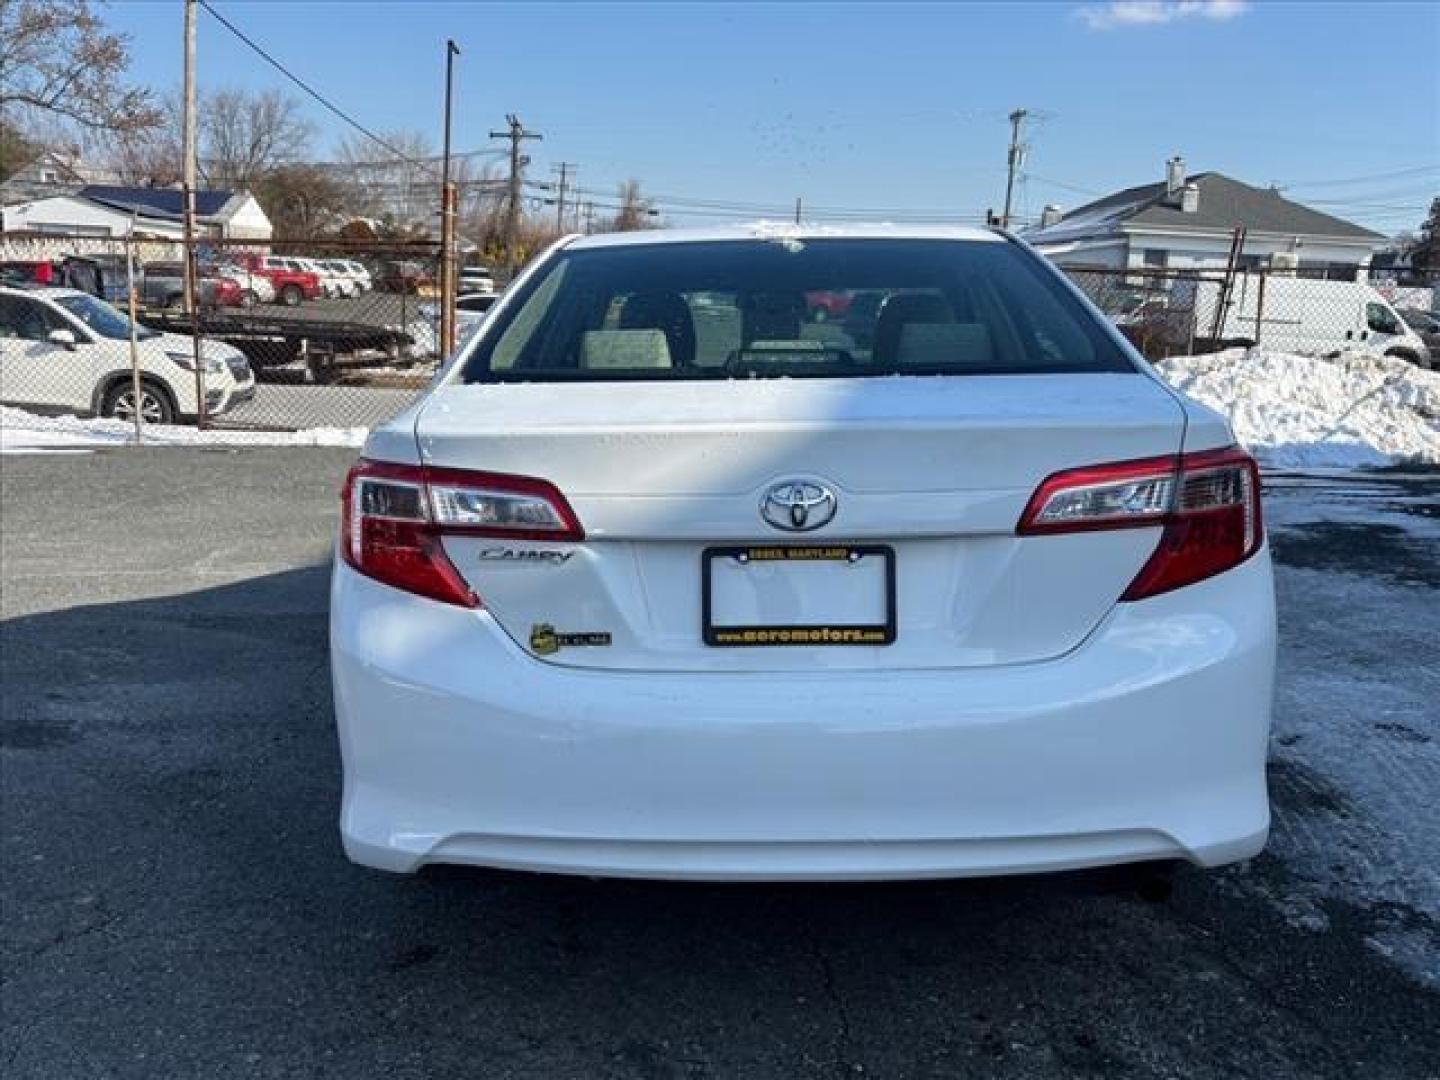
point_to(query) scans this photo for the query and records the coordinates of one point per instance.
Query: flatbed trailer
(326, 348)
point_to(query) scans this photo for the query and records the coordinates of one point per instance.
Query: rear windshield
(790, 309)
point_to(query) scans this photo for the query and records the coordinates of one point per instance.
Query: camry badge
(798, 505)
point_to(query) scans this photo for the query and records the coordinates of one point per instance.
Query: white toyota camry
(667, 576)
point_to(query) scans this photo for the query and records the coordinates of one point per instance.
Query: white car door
(37, 371)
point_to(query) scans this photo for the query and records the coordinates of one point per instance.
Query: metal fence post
(1260, 305)
(134, 332)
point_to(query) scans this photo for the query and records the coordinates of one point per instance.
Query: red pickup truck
(291, 283)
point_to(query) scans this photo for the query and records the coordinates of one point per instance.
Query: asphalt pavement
(176, 903)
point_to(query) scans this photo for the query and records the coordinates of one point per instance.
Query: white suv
(356, 277)
(63, 351)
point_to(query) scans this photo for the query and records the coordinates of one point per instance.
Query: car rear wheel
(155, 405)
(1406, 355)
(291, 296)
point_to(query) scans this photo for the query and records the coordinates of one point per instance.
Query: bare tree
(634, 211)
(17, 149)
(302, 201)
(385, 185)
(1426, 252)
(245, 135)
(58, 61)
(150, 158)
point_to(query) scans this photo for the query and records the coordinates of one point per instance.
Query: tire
(820, 315)
(175, 301)
(1406, 355)
(291, 295)
(156, 404)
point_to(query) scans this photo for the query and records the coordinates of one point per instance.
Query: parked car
(361, 273)
(1299, 315)
(404, 277)
(476, 279)
(470, 311)
(1427, 326)
(356, 277)
(822, 305)
(256, 288)
(66, 351)
(984, 595)
(162, 284)
(332, 282)
(292, 284)
(68, 271)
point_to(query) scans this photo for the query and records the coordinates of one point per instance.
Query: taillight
(1208, 504)
(393, 518)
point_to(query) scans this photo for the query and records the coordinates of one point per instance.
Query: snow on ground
(1357, 409)
(25, 433)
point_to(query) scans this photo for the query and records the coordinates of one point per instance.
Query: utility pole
(188, 141)
(1014, 159)
(447, 219)
(566, 169)
(589, 218)
(797, 209)
(516, 133)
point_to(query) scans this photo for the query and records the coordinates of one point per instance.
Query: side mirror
(62, 337)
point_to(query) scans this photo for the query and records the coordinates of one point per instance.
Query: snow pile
(25, 433)
(1356, 409)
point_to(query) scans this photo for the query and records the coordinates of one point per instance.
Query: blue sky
(893, 106)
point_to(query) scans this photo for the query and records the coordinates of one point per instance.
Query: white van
(1300, 315)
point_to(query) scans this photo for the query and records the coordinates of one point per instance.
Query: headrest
(624, 350)
(945, 345)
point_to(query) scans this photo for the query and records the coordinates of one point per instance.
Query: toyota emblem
(798, 505)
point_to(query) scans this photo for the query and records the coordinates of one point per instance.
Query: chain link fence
(334, 334)
(342, 334)
(1188, 312)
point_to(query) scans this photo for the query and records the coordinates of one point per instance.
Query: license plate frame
(844, 634)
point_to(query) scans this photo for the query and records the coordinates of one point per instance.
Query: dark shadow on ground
(176, 903)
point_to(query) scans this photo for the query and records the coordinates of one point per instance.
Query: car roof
(781, 231)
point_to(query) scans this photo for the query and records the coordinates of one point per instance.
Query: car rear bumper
(1146, 742)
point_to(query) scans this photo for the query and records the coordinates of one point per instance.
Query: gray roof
(1225, 204)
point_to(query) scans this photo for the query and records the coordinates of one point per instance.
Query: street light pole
(448, 269)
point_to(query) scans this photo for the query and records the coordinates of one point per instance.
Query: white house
(1188, 222)
(72, 215)
(59, 171)
(108, 211)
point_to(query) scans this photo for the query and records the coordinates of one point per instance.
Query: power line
(1412, 170)
(278, 66)
(1063, 185)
